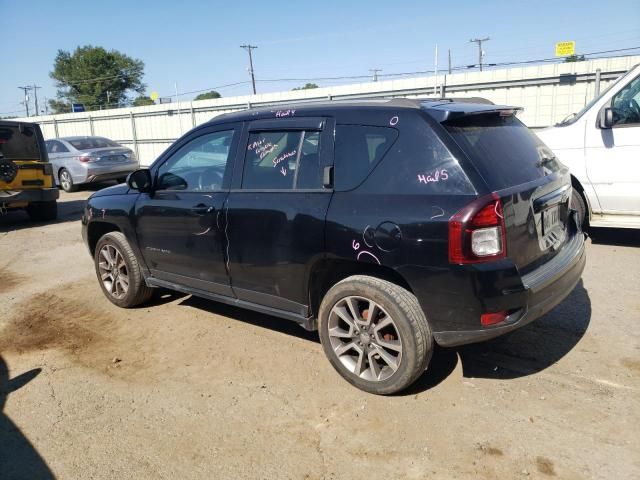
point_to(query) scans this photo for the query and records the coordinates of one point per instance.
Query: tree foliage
(86, 75)
(142, 101)
(307, 86)
(208, 95)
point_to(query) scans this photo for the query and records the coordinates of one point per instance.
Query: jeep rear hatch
(20, 142)
(533, 187)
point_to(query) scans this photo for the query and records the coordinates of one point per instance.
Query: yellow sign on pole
(154, 96)
(565, 49)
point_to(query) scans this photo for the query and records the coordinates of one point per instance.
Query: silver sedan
(78, 160)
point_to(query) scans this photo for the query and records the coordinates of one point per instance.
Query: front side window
(199, 165)
(56, 147)
(626, 104)
(282, 160)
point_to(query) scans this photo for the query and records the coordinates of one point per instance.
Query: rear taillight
(477, 232)
(87, 158)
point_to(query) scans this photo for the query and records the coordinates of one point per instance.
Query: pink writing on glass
(437, 176)
(264, 150)
(285, 113)
(255, 144)
(282, 157)
(283, 171)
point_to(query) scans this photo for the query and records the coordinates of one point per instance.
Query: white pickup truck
(601, 146)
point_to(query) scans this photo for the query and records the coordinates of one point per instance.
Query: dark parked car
(386, 225)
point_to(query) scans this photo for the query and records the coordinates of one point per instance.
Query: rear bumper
(96, 173)
(29, 195)
(544, 288)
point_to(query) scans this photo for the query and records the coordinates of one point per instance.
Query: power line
(248, 48)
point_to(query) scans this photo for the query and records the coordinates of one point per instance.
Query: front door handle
(202, 209)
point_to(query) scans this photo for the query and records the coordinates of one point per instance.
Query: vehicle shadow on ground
(68, 211)
(18, 457)
(526, 351)
(253, 318)
(623, 237)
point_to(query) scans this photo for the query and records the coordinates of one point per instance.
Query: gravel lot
(187, 388)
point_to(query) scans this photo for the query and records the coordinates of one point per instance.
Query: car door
(180, 224)
(613, 154)
(276, 210)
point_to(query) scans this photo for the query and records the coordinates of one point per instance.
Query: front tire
(578, 204)
(43, 211)
(375, 334)
(119, 272)
(66, 181)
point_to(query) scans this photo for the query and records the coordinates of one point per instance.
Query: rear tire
(66, 181)
(579, 205)
(43, 211)
(382, 352)
(119, 272)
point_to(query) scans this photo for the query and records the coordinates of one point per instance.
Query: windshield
(89, 143)
(19, 145)
(572, 118)
(503, 149)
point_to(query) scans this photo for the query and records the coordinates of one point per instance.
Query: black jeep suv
(386, 225)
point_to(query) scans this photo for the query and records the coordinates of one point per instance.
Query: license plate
(550, 219)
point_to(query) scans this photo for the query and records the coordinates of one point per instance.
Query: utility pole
(248, 48)
(449, 61)
(375, 71)
(435, 72)
(480, 52)
(26, 97)
(108, 98)
(35, 97)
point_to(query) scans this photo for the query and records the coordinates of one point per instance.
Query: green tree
(94, 76)
(307, 86)
(142, 101)
(574, 58)
(208, 95)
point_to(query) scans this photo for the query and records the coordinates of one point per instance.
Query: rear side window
(419, 163)
(92, 142)
(282, 160)
(358, 150)
(503, 149)
(19, 145)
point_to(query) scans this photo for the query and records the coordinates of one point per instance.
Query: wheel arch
(327, 272)
(95, 231)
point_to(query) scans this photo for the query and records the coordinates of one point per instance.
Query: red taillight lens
(85, 158)
(477, 232)
(488, 319)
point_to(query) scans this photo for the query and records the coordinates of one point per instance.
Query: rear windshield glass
(503, 149)
(17, 145)
(92, 142)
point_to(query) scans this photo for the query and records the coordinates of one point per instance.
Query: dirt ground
(187, 388)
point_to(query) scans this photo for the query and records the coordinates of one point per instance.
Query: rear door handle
(202, 209)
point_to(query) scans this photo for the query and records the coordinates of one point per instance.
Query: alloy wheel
(65, 180)
(113, 271)
(365, 338)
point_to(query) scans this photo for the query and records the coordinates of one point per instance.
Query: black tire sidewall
(404, 376)
(578, 204)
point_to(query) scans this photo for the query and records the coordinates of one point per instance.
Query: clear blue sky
(196, 44)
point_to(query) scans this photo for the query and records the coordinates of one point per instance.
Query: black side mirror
(140, 180)
(606, 118)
